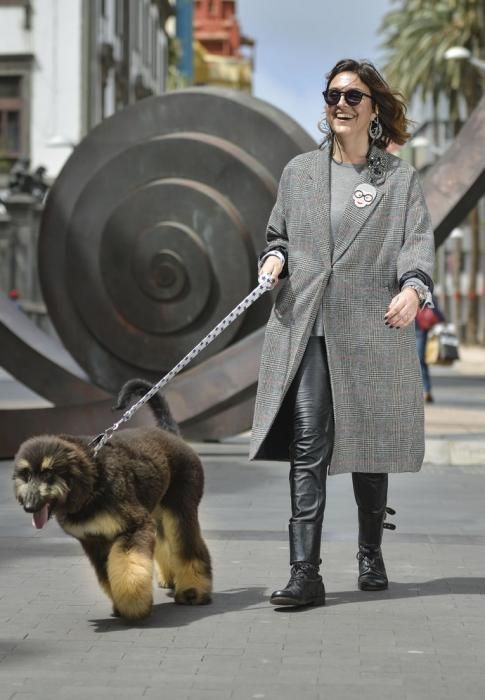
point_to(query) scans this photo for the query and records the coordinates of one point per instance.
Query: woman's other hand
(402, 310)
(272, 266)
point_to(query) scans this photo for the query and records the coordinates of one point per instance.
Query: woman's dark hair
(392, 107)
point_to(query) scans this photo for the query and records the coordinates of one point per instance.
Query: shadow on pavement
(170, 614)
(414, 589)
(439, 586)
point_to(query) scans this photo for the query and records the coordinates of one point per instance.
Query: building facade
(222, 55)
(67, 64)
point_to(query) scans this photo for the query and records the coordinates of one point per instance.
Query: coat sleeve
(276, 236)
(417, 252)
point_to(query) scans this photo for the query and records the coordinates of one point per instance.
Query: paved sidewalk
(423, 639)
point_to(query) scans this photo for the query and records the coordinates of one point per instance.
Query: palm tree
(417, 34)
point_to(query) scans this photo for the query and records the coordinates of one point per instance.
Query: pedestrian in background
(426, 319)
(340, 387)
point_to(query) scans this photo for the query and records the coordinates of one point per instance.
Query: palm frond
(415, 37)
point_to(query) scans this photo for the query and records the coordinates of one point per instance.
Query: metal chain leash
(265, 284)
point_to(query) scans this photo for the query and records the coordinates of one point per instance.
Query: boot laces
(366, 557)
(304, 569)
(369, 558)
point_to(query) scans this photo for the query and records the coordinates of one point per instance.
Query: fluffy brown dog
(135, 502)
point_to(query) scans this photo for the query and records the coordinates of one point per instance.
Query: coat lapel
(319, 204)
(354, 217)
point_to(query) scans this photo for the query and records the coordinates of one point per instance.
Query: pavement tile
(274, 692)
(223, 651)
(168, 691)
(369, 691)
(137, 655)
(100, 692)
(201, 694)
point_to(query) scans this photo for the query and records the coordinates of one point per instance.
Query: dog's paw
(191, 596)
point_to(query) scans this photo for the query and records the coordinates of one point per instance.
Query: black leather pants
(310, 454)
(310, 451)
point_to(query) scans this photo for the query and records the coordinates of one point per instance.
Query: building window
(146, 34)
(119, 17)
(161, 69)
(10, 117)
(135, 14)
(154, 50)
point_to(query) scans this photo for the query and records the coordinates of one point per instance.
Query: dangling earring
(324, 126)
(375, 129)
(327, 132)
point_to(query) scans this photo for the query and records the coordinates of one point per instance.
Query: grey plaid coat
(374, 369)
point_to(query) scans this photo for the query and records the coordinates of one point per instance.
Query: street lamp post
(460, 52)
(457, 237)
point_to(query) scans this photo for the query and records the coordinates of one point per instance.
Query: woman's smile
(344, 117)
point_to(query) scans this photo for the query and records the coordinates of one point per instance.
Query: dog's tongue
(40, 518)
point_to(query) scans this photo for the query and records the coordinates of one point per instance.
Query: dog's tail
(135, 389)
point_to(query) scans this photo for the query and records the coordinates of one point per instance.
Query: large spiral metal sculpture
(151, 232)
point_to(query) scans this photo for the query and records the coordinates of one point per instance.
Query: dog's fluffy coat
(133, 504)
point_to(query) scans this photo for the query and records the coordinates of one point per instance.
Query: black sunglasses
(352, 97)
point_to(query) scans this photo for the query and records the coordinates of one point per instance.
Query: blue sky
(298, 42)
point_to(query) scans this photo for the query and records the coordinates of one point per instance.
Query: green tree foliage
(416, 35)
(176, 80)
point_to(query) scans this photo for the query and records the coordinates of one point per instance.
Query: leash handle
(265, 284)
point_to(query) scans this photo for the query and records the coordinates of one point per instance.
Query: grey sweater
(343, 179)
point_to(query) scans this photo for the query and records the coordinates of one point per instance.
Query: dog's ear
(67, 458)
(80, 475)
(78, 462)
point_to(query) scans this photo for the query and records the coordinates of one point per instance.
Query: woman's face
(345, 120)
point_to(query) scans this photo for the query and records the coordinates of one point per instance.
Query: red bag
(427, 318)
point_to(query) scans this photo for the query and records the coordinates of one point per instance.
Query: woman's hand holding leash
(272, 266)
(402, 310)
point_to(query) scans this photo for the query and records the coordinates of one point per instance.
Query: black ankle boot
(371, 495)
(305, 587)
(372, 572)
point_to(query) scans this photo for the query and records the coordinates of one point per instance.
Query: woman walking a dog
(340, 386)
